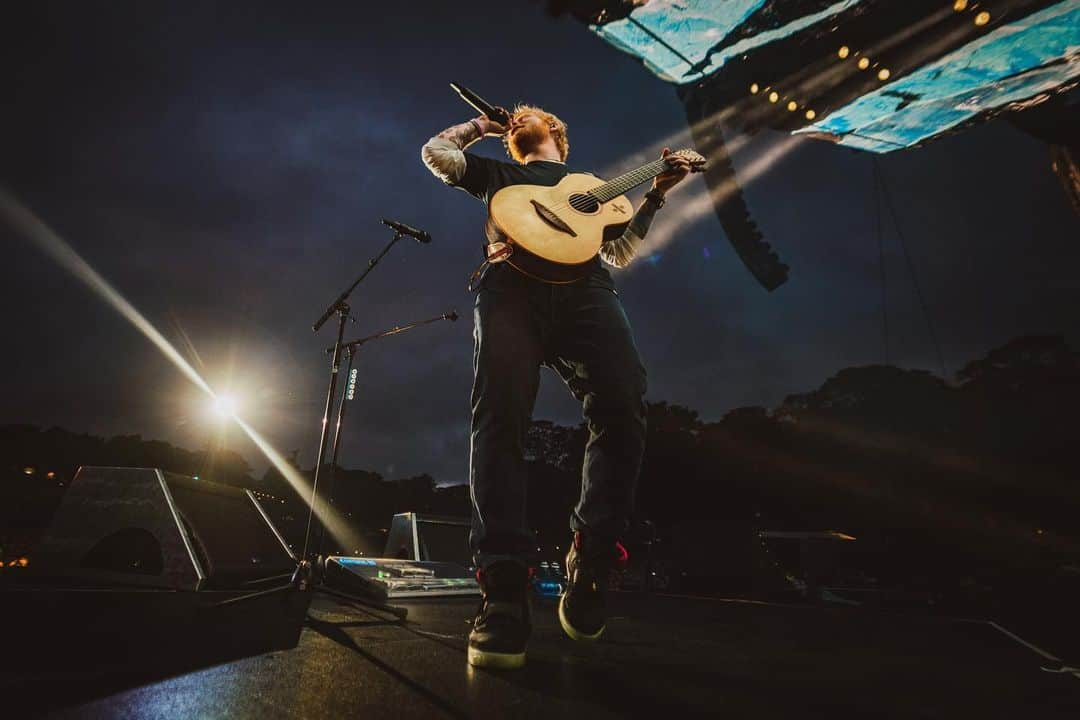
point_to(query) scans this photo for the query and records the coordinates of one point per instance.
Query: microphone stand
(350, 348)
(304, 571)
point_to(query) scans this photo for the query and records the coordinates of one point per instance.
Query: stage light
(792, 106)
(843, 52)
(50, 474)
(28, 471)
(982, 18)
(773, 96)
(810, 114)
(754, 89)
(864, 63)
(37, 232)
(883, 74)
(960, 5)
(225, 406)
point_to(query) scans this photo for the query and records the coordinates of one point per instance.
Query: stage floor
(662, 656)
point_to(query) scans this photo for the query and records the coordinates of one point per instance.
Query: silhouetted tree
(946, 486)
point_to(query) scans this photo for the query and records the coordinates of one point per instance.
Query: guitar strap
(496, 252)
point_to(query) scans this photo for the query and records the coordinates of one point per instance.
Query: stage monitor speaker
(429, 538)
(145, 527)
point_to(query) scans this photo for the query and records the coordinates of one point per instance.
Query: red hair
(557, 128)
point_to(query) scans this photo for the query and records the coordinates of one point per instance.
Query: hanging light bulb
(774, 96)
(982, 18)
(960, 5)
(843, 52)
(792, 106)
(754, 89)
(883, 74)
(810, 114)
(864, 63)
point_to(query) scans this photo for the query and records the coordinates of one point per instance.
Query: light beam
(700, 204)
(45, 239)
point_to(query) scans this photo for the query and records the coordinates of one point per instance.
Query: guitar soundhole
(584, 203)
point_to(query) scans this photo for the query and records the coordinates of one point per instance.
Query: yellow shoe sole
(495, 660)
(573, 632)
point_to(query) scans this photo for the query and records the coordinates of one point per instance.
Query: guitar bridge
(552, 219)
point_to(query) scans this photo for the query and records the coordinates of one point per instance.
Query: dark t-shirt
(485, 176)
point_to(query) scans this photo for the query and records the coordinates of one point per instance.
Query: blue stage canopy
(1009, 64)
(687, 41)
(673, 36)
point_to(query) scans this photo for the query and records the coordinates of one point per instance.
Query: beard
(526, 140)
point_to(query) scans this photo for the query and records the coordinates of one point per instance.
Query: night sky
(226, 170)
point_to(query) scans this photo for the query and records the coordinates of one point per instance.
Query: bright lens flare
(225, 407)
(56, 248)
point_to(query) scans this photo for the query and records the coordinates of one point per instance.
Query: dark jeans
(582, 332)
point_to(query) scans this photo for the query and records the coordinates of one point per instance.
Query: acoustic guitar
(552, 233)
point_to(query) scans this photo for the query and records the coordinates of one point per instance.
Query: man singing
(581, 331)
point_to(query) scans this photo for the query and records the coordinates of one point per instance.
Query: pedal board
(392, 579)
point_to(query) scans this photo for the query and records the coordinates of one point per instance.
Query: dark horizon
(1053, 345)
(931, 482)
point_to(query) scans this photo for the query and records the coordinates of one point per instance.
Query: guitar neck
(614, 188)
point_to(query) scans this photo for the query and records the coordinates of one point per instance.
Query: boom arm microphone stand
(350, 348)
(303, 575)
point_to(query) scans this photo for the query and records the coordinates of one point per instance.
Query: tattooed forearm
(620, 251)
(642, 220)
(462, 135)
(444, 154)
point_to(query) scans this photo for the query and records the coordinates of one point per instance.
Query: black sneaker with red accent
(589, 565)
(503, 623)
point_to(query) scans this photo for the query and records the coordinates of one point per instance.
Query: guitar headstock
(696, 159)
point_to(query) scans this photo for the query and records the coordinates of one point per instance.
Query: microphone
(493, 113)
(404, 229)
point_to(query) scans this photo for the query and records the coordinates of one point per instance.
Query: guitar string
(635, 177)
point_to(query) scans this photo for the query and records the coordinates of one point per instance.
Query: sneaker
(588, 569)
(503, 622)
